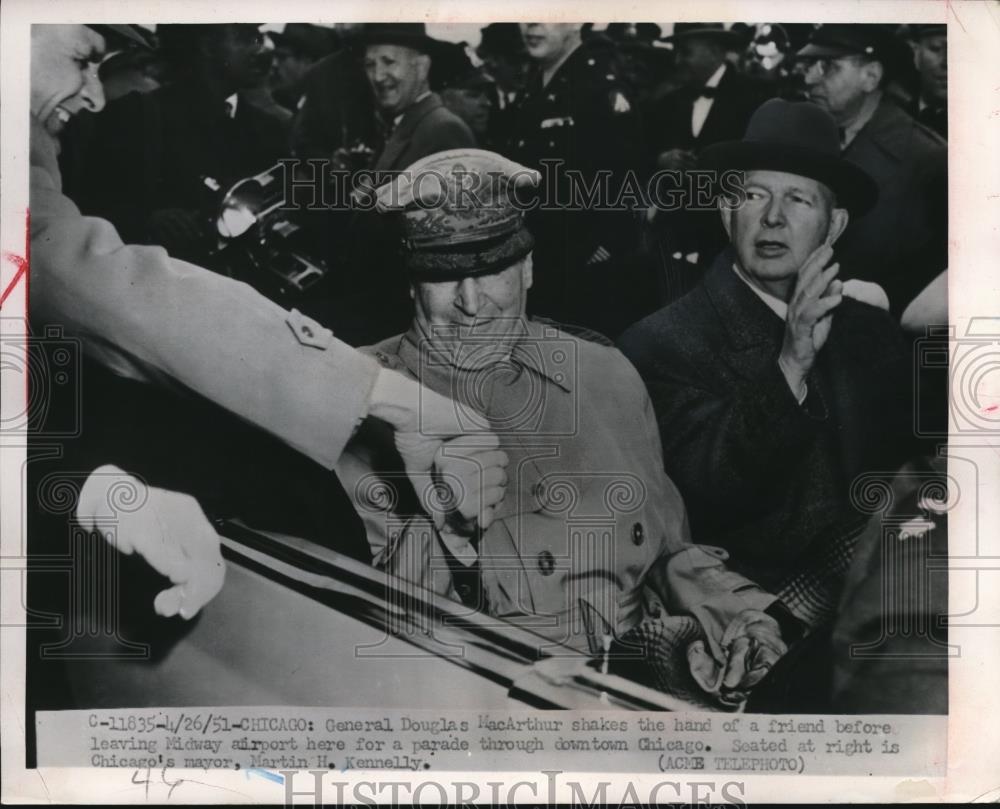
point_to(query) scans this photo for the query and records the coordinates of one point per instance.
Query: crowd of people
(736, 364)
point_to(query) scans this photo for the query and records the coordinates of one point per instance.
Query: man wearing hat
(297, 48)
(902, 243)
(397, 62)
(930, 55)
(773, 388)
(713, 103)
(591, 540)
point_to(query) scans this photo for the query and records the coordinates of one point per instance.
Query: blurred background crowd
(213, 104)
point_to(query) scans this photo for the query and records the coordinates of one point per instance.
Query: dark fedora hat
(705, 30)
(797, 137)
(408, 34)
(310, 40)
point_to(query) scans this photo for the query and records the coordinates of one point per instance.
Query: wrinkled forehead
(785, 181)
(82, 40)
(398, 53)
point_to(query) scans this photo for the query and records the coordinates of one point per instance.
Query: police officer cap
(849, 39)
(457, 214)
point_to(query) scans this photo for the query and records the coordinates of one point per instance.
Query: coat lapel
(752, 330)
(401, 136)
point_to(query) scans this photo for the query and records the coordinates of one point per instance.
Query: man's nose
(467, 296)
(92, 94)
(774, 213)
(812, 74)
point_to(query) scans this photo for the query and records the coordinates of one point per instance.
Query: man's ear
(872, 73)
(838, 222)
(423, 66)
(726, 212)
(527, 272)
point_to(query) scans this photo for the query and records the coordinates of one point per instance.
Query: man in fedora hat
(713, 103)
(297, 47)
(397, 62)
(773, 388)
(591, 541)
(902, 242)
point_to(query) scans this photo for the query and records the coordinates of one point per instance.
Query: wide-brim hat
(408, 34)
(705, 30)
(302, 37)
(457, 214)
(797, 137)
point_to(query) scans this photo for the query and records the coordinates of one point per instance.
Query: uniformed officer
(577, 112)
(902, 243)
(592, 539)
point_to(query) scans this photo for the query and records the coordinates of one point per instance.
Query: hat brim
(815, 50)
(424, 44)
(471, 260)
(724, 35)
(854, 188)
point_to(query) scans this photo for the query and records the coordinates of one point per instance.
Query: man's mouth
(770, 248)
(533, 41)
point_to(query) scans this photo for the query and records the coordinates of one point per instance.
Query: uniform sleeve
(150, 317)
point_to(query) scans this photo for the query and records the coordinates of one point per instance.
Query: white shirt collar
(231, 103)
(716, 77)
(774, 303)
(417, 100)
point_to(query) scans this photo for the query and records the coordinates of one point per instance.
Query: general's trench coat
(592, 536)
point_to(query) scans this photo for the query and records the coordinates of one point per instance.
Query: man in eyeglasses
(902, 243)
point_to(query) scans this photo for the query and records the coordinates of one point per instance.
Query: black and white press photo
(397, 397)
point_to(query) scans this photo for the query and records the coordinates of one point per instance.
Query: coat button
(638, 534)
(546, 563)
(464, 591)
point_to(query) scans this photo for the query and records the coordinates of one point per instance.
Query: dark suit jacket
(151, 151)
(902, 243)
(763, 476)
(427, 127)
(338, 109)
(737, 96)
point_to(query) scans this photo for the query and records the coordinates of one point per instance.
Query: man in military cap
(591, 541)
(930, 55)
(577, 112)
(902, 243)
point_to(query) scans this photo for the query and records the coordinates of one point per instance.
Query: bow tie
(706, 92)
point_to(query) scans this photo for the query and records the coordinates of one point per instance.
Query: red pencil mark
(19, 262)
(991, 408)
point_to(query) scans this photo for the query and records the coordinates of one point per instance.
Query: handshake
(449, 452)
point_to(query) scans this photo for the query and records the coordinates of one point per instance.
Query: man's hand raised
(810, 316)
